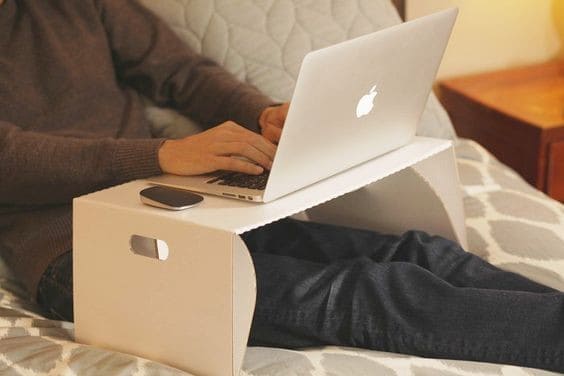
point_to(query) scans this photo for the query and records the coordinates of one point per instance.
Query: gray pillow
(263, 43)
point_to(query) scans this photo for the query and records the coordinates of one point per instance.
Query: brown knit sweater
(72, 121)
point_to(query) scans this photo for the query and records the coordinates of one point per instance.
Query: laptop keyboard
(238, 179)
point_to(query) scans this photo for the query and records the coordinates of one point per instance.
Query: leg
(326, 243)
(54, 293)
(401, 307)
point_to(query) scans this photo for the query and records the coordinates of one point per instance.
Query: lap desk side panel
(426, 196)
(194, 310)
(179, 311)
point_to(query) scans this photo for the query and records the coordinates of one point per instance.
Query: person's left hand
(271, 121)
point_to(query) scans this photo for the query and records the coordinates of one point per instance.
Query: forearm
(153, 60)
(214, 96)
(40, 169)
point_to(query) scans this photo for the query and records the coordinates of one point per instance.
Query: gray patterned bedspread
(509, 223)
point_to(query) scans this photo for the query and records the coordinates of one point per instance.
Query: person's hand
(219, 148)
(271, 121)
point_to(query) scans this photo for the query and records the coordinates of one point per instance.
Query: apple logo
(366, 103)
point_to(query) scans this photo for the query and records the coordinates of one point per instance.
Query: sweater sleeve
(42, 169)
(153, 60)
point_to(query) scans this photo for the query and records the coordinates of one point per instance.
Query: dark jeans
(412, 294)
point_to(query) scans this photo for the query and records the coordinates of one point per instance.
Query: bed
(509, 223)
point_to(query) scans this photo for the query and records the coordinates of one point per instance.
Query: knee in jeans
(426, 241)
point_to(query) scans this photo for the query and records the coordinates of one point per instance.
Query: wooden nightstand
(518, 115)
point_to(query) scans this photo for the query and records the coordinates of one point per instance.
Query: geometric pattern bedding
(509, 223)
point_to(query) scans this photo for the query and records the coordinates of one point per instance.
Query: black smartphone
(169, 198)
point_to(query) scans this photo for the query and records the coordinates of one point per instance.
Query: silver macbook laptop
(353, 101)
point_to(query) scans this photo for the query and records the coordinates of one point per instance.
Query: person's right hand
(219, 148)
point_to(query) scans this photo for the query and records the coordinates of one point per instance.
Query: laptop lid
(356, 100)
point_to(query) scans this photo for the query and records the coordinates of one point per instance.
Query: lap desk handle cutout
(193, 310)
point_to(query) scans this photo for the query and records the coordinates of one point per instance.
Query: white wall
(497, 34)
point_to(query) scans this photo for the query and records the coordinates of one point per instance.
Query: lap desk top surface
(134, 304)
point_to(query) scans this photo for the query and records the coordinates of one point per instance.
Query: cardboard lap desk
(194, 309)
